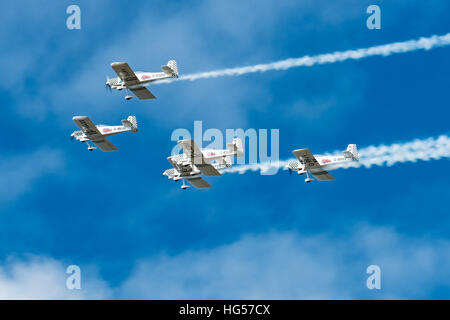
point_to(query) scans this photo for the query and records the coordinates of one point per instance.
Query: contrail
(382, 155)
(338, 56)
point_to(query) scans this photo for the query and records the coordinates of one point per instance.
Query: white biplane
(193, 162)
(98, 133)
(316, 165)
(136, 81)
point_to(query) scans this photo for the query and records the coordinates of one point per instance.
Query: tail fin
(171, 68)
(352, 152)
(236, 147)
(131, 123)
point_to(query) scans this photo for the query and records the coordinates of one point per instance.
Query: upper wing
(128, 76)
(198, 182)
(92, 133)
(173, 163)
(310, 163)
(142, 93)
(195, 154)
(88, 128)
(125, 73)
(306, 158)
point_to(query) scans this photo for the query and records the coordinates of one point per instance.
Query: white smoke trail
(425, 150)
(339, 56)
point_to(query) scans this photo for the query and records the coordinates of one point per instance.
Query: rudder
(237, 147)
(352, 149)
(131, 122)
(172, 64)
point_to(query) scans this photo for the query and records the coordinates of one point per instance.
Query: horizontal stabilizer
(167, 70)
(171, 68)
(131, 123)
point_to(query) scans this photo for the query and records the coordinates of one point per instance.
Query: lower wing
(321, 174)
(142, 93)
(104, 145)
(198, 182)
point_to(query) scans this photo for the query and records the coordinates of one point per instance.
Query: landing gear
(308, 179)
(184, 186)
(90, 148)
(128, 97)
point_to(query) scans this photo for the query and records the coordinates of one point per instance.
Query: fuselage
(327, 160)
(144, 77)
(104, 130)
(324, 161)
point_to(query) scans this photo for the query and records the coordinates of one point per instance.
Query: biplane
(193, 162)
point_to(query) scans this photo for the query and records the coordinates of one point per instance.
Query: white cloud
(45, 278)
(289, 265)
(276, 265)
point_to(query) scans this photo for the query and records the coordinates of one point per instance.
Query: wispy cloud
(38, 277)
(275, 265)
(382, 155)
(19, 172)
(424, 43)
(289, 265)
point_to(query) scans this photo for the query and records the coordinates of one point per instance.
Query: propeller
(107, 85)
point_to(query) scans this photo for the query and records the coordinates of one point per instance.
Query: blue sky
(136, 235)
